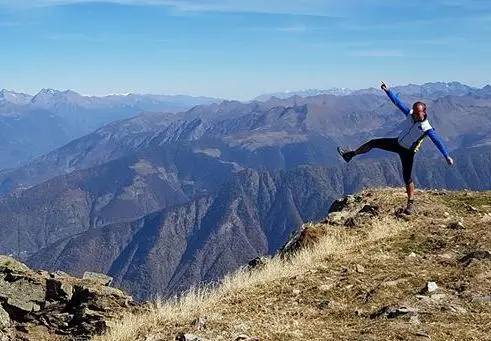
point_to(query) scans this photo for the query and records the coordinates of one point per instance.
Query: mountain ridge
(318, 123)
(250, 215)
(424, 89)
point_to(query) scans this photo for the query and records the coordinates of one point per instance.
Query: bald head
(419, 111)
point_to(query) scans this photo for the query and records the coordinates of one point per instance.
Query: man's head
(419, 111)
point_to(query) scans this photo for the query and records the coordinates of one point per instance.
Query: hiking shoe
(409, 208)
(346, 155)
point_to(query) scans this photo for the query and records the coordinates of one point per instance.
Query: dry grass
(329, 291)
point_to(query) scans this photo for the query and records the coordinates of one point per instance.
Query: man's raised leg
(388, 144)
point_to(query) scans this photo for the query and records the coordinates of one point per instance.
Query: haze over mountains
(427, 90)
(31, 125)
(164, 200)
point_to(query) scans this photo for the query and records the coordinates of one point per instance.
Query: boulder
(258, 263)
(189, 337)
(98, 278)
(44, 304)
(477, 255)
(4, 319)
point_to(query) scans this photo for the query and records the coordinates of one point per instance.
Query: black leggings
(406, 155)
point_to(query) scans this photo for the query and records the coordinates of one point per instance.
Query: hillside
(364, 273)
(71, 223)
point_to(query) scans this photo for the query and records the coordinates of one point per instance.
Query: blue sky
(240, 49)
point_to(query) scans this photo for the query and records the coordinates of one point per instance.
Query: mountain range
(31, 125)
(162, 201)
(427, 90)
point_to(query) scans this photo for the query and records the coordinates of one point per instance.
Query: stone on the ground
(393, 312)
(244, 337)
(4, 319)
(458, 225)
(200, 322)
(326, 287)
(258, 262)
(431, 287)
(98, 277)
(360, 268)
(189, 337)
(478, 255)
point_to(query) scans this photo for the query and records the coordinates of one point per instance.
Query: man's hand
(384, 86)
(450, 161)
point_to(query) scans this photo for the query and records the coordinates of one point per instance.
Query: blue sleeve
(438, 142)
(398, 103)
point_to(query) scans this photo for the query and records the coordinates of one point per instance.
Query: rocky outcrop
(37, 305)
(350, 212)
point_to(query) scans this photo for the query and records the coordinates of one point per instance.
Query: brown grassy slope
(331, 291)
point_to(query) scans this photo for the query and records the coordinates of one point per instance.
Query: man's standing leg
(407, 159)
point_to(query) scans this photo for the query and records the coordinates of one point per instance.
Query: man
(416, 128)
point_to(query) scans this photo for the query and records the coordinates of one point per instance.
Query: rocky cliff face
(38, 305)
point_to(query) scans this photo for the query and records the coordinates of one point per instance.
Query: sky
(240, 49)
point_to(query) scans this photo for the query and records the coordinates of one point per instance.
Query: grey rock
(478, 255)
(478, 298)
(23, 305)
(59, 274)
(423, 334)
(98, 277)
(323, 304)
(258, 262)
(200, 322)
(344, 203)
(189, 337)
(4, 337)
(325, 287)
(244, 337)
(4, 319)
(431, 287)
(58, 290)
(456, 226)
(360, 268)
(370, 210)
(392, 312)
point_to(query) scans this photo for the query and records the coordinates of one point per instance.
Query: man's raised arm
(393, 97)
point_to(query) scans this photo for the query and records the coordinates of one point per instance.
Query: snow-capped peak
(14, 97)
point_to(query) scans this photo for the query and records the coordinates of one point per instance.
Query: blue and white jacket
(414, 132)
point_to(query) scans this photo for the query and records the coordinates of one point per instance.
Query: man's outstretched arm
(398, 103)
(440, 145)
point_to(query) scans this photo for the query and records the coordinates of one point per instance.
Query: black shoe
(409, 208)
(347, 156)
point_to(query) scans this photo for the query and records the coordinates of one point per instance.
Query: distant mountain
(118, 191)
(436, 90)
(251, 215)
(13, 97)
(278, 134)
(304, 93)
(55, 100)
(430, 90)
(33, 125)
(247, 134)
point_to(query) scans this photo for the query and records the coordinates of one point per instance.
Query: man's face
(419, 112)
